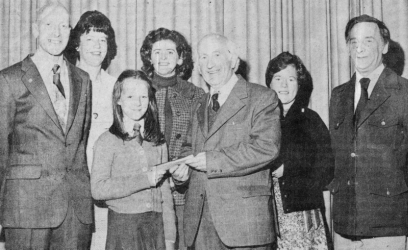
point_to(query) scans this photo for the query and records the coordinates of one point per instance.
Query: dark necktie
(136, 133)
(364, 82)
(56, 79)
(215, 103)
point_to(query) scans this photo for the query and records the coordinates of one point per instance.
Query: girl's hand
(155, 176)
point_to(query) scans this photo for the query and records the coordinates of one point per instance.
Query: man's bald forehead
(49, 7)
(214, 37)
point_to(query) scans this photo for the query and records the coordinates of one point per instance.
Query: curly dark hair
(152, 131)
(182, 47)
(304, 78)
(91, 21)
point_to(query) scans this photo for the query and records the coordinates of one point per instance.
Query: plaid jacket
(182, 97)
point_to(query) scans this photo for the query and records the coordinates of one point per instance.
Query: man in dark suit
(44, 122)
(235, 133)
(369, 128)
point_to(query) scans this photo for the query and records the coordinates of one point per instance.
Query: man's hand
(179, 172)
(198, 162)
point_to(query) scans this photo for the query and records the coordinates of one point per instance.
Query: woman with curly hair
(92, 47)
(167, 60)
(305, 164)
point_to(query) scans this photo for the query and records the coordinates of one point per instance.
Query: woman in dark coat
(306, 164)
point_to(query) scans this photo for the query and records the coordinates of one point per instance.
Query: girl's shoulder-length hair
(152, 131)
(91, 21)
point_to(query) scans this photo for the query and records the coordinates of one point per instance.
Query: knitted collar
(163, 82)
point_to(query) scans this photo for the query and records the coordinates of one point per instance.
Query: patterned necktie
(215, 103)
(136, 133)
(364, 82)
(56, 79)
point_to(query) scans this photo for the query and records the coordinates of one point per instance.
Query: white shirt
(225, 90)
(373, 76)
(102, 114)
(45, 69)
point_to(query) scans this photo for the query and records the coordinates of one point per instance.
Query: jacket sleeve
(7, 112)
(169, 216)
(312, 168)
(103, 185)
(250, 156)
(80, 158)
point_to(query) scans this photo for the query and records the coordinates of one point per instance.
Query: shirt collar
(373, 76)
(45, 66)
(226, 88)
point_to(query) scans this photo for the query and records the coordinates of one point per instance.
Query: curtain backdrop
(312, 29)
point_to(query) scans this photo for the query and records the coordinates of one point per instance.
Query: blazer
(307, 157)
(42, 169)
(182, 97)
(243, 139)
(369, 185)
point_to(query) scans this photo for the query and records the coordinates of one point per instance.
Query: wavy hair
(305, 81)
(152, 128)
(384, 31)
(91, 21)
(183, 50)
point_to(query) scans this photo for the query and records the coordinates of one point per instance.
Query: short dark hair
(384, 31)
(305, 81)
(91, 21)
(183, 50)
(152, 131)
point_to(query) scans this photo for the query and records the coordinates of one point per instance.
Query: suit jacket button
(178, 136)
(383, 123)
(202, 196)
(178, 113)
(353, 155)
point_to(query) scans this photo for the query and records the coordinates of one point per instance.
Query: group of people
(81, 150)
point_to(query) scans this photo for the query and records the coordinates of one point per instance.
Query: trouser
(71, 234)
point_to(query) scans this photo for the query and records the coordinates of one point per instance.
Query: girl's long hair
(152, 128)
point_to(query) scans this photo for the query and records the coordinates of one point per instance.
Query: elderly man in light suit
(235, 133)
(45, 113)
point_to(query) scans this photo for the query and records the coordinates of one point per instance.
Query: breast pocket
(384, 131)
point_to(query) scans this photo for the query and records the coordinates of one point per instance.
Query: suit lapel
(75, 82)
(202, 115)
(377, 97)
(35, 84)
(231, 106)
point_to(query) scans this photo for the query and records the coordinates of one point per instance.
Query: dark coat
(369, 184)
(307, 157)
(42, 168)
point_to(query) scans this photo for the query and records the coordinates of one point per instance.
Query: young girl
(167, 60)
(141, 214)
